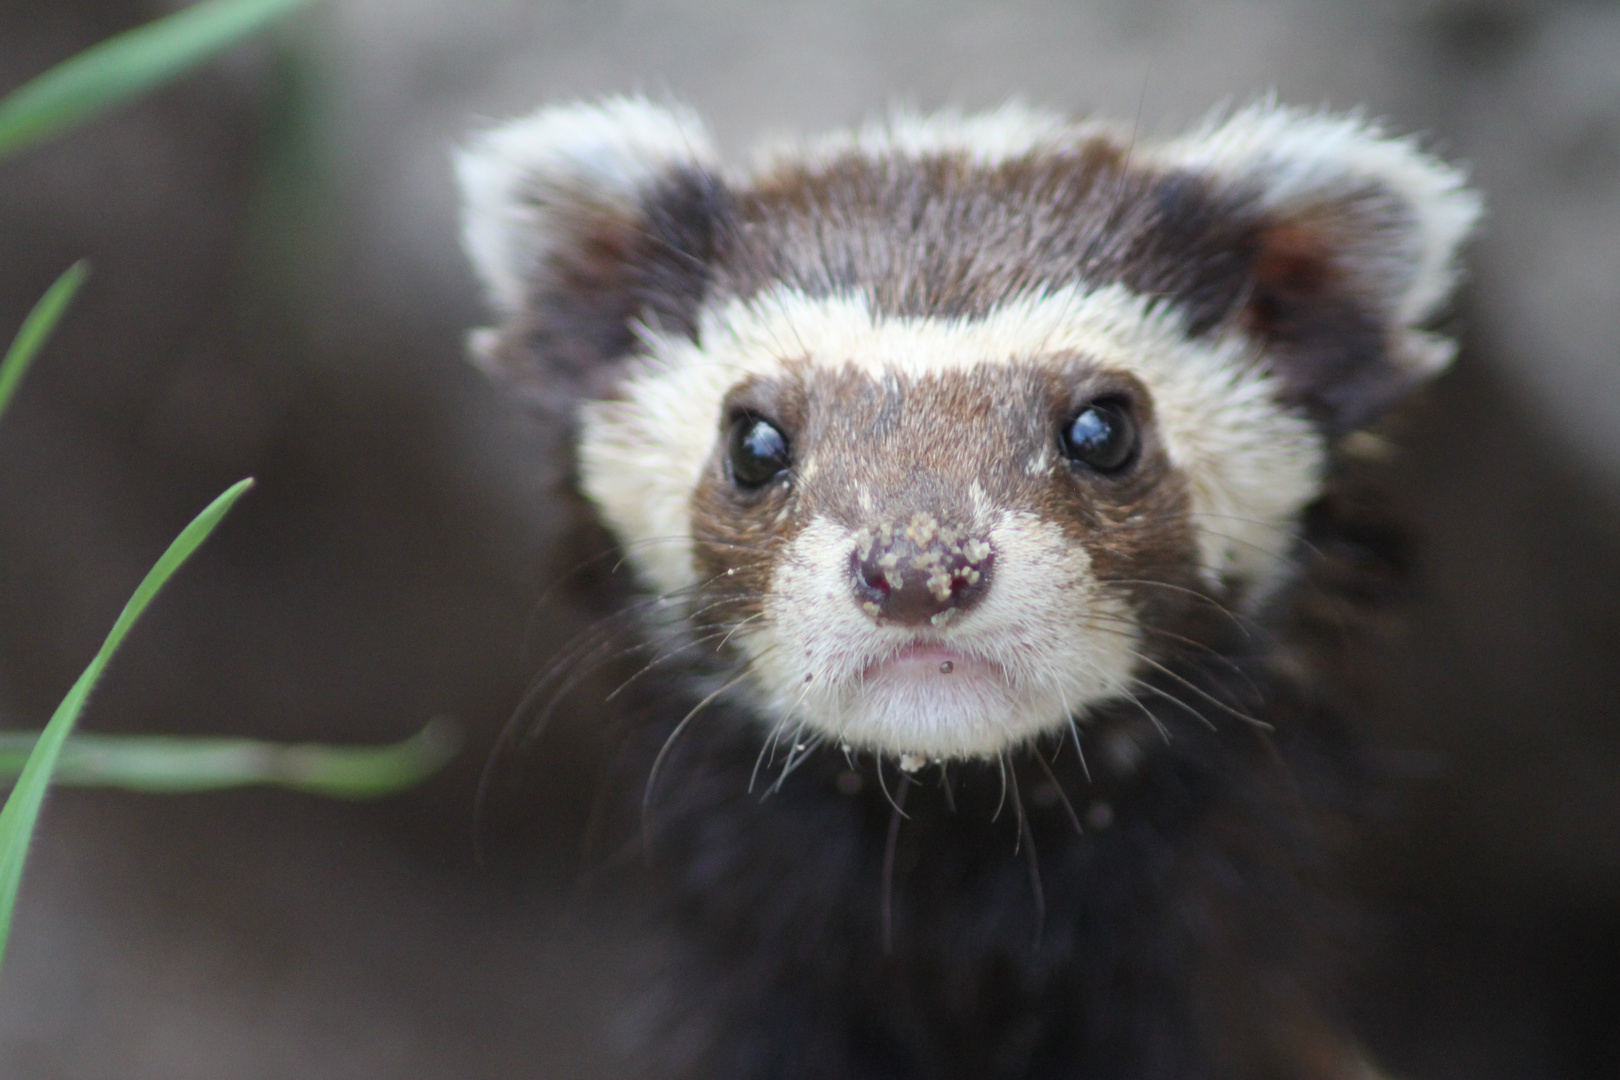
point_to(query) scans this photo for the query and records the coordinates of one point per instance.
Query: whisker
(883, 784)
(739, 626)
(766, 745)
(797, 755)
(1063, 796)
(563, 578)
(1212, 654)
(588, 656)
(594, 637)
(686, 644)
(606, 553)
(1001, 764)
(1267, 525)
(1298, 793)
(663, 751)
(1218, 703)
(1237, 620)
(616, 622)
(507, 740)
(606, 787)
(1164, 732)
(1026, 841)
(661, 658)
(1018, 811)
(543, 719)
(1074, 729)
(890, 843)
(1200, 717)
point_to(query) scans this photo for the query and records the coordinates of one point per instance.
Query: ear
(583, 219)
(1354, 245)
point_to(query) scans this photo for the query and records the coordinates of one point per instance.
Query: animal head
(936, 428)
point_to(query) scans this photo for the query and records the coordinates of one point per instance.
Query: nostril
(871, 579)
(968, 583)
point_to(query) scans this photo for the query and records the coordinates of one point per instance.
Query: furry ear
(583, 218)
(1354, 246)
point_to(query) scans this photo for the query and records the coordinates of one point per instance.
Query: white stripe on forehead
(1011, 131)
(1249, 464)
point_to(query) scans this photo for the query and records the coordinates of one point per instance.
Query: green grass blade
(36, 328)
(22, 806)
(169, 765)
(126, 65)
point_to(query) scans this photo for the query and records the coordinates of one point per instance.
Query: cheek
(1245, 505)
(736, 548)
(809, 600)
(641, 457)
(1247, 468)
(1143, 538)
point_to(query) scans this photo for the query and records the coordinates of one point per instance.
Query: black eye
(1102, 436)
(758, 452)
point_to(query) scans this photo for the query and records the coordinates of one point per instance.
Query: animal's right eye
(1102, 436)
(758, 451)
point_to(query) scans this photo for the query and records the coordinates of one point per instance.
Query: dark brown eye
(1102, 436)
(758, 451)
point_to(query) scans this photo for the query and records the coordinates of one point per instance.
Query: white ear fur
(521, 181)
(1293, 158)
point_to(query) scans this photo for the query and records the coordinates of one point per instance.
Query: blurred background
(278, 291)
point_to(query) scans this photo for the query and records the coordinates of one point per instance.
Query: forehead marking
(987, 139)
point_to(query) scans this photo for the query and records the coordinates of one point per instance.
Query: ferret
(988, 485)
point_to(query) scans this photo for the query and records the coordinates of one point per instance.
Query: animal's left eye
(758, 451)
(1102, 436)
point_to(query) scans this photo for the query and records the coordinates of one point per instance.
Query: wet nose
(920, 573)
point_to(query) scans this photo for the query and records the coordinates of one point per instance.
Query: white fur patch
(520, 180)
(1295, 158)
(1250, 465)
(985, 139)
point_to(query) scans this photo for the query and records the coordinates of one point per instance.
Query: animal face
(936, 431)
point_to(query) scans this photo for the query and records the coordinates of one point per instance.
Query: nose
(921, 573)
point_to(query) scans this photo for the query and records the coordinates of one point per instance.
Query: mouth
(933, 699)
(933, 665)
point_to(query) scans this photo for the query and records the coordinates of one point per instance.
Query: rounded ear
(1353, 246)
(583, 219)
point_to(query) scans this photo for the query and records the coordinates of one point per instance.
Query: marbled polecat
(984, 480)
